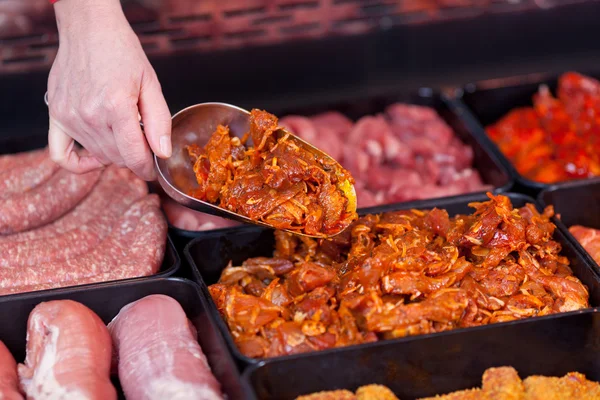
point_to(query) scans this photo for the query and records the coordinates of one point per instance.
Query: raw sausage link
(135, 247)
(144, 260)
(89, 208)
(111, 197)
(45, 203)
(9, 381)
(69, 353)
(27, 176)
(10, 161)
(166, 364)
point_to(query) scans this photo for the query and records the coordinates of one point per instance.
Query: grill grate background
(28, 38)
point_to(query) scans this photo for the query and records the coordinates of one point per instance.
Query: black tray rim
(251, 369)
(561, 225)
(424, 92)
(246, 362)
(514, 81)
(62, 291)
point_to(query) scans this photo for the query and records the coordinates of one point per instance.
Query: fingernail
(165, 146)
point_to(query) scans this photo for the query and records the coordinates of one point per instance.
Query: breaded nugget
(469, 394)
(503, 383)
(375, 392)
(573, 386)
(329, 395)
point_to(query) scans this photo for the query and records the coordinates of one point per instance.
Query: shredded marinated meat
(275, 181)
(398, 274)
(557, 139)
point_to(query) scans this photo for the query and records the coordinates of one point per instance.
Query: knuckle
(90, 112)
(118, 102)
(63, 113)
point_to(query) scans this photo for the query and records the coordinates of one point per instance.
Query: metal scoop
(195, 125)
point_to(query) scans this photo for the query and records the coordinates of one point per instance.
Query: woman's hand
(100, 81)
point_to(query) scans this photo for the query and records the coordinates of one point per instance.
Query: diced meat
(334, 120)
(407, 153)
(323, 136)
(158, 353)
(68, 354)
(300, 126)
(328, 141)
(589, 239)
(184, 218)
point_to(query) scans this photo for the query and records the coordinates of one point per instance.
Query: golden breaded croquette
(329, 395)
(375, 392)
(573, 386)
(469, 394)
(503, 383)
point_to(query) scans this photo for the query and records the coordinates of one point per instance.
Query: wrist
(72, 14)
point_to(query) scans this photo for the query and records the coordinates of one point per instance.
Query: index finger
(132, 143)
(62, 151)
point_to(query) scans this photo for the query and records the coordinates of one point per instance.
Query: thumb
(156, 117)
(62, 151)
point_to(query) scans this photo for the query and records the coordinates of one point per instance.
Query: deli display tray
(486, 102)
(439, 364)
(577, 203)
(485, 160)
(209, 255)
(107, 299)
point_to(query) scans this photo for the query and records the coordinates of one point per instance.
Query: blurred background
(284, 54)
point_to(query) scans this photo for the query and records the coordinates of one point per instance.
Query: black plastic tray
(551, 346)
(171, 261)
(106, 300)
(488, 101)
(485, 160)
(577, 203)
(210, 254)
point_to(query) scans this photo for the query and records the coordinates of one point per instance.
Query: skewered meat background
(398, 274)
(274, 181)
(557, 139)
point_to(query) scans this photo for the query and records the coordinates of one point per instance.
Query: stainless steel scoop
(195, 125)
